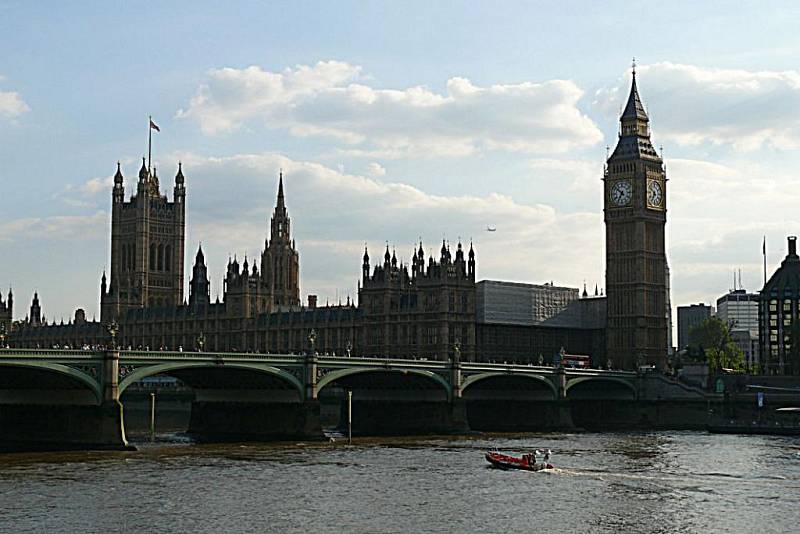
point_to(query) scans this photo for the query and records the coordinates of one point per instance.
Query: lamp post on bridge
(113, 329)
(312, 339)
(200, 342)
(455, 369)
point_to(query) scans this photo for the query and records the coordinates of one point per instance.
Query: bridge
(75, 397)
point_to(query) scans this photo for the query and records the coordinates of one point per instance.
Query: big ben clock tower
(635, 213)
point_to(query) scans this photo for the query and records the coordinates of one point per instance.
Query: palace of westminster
(428, 308)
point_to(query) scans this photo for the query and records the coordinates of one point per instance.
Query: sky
(395, 121)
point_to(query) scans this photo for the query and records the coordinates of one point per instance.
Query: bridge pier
(43, 426)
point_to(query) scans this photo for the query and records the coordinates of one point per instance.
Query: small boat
(526, 463)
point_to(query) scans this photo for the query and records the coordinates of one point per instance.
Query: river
(610, 482)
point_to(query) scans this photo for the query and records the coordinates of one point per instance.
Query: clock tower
(635, 214)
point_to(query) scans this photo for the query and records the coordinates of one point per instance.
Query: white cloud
(693, 105)
(375, 169)
(58, 227)
(329, 99)
(334, 213)
(11, 104)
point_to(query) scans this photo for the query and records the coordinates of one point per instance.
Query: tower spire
(634, 110)
(281, 201)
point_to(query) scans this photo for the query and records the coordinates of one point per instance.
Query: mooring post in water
(349, 417)
(152, 417)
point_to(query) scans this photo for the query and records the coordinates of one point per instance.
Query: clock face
(621, 193)
(655, 196)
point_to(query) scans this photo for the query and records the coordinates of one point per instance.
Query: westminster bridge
(74, 397)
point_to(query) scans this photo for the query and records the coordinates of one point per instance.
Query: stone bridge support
(70, 421)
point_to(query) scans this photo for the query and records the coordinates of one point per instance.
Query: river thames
(610, 482)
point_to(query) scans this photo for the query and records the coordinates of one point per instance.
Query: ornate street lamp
(312, 338)
(348, 348)
(200, 342)
(113, 329)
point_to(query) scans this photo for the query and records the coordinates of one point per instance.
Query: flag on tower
(154, 126)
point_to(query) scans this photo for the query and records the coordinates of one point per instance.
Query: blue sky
(394, 121)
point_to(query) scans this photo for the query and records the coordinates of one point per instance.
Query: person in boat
(547, 457)
(534, 457)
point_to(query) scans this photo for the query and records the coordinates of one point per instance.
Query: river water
(610, 482)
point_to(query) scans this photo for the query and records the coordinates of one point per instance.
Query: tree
(712, 338)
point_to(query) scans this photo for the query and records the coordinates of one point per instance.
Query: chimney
(792, 245)
(312, 301)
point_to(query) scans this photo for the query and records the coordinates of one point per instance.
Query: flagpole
(149, 141)
(764, 251)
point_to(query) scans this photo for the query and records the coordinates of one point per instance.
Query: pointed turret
(199, 286)
(143, 173)
(36, 310)
(365, 265)
(281, 205)
(118, 176)
(471, 262)
(179, 179)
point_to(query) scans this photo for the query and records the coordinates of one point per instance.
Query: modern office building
(689, 317)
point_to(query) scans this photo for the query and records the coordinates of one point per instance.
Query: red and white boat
(526, 462)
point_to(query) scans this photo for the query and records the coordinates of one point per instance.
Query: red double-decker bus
(575, 361)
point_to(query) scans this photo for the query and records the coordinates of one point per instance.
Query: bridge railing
(50, 353)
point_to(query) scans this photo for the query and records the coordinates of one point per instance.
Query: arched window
(124, 259)
(160, 257)
(153, 256)
(168, 258)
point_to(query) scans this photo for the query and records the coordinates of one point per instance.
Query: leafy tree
(712, 339)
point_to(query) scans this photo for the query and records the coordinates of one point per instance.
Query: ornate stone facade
(147, 240)
(425, 313)
(635, 216)
(421, 314)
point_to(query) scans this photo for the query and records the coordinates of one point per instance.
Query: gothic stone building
(635, 216)
(6, 316)
(421, 314)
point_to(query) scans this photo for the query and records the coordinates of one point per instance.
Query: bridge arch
(601, 380)
(92, 383)
(477, 378)
(333, 376)
(167, 368)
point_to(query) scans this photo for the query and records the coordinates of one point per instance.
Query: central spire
(281, 203)
(634, 110)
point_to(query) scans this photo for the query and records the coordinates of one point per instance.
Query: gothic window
(160, 257)
(152, 256)
(168, 258)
